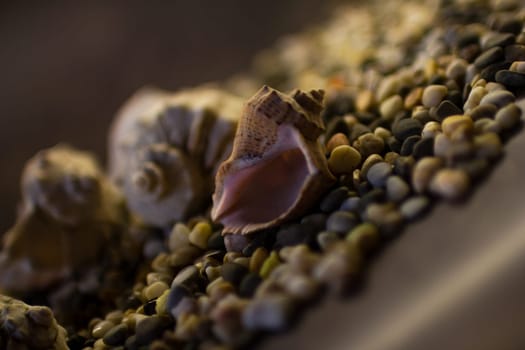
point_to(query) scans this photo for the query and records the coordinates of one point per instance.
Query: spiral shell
(277, 168)
(69, 208)
(165, 149)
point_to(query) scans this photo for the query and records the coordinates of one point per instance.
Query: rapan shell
(277, 169)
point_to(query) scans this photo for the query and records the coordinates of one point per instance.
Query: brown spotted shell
(277, 168)
(165, 149)
(68, 208)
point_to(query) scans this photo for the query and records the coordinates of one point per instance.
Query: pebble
(269, 313)
(269, 264)
(301, 287)
(515, 53)
(216, 241)
(446, 108)
(489, 72)
(154, 290)
(325, 239)
(413, 98)
(414, 207)
(257, 259)
(233, 273)
(493, 39)
(179, 237)
(423, 148)
(456, 69)
(101, 328)
(452, 124)
(338, 139)
(430, 130)
(200, 234)
(424, 171)
(338, 267)
(235, 243)
(488, 57)
(511, 79)
(474, 98)
(450, 184)
(365, 236)
(407, 127)
(150, 329)
(364, 100)
(249, 284)
(403, 166)
(433, 95)
(393, 144)
(483, 111)
(350, 204)
(116, 335)
(176, 294)
(396, 188)
(333, 199)
(407, 147)
(391, 106)
(498, 98)
(386, 217)
(369, 162)
(508, 117)
(382, 133)
(488, 145)
(343, 160)
(368, 144)
(341, 221)
(517, 66)
(378, 173)
(292, 234)
(189, 277)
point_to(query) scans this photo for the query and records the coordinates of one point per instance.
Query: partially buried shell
(277, 168)
(165, 149)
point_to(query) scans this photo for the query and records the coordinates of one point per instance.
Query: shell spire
(277, 168)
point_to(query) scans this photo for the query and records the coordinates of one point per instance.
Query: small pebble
(325, 239)
(343, 160)
(369, 162)
(396, 188)
(407, 147)
(517, 66)
(101, 329)
(269, 264)
(378, 173)
(179, 237)
(488, 57)
(407, 127)
(423, 148)
(451, 124)
(511, 79)
(176, 294)
(493, 39)
(424, 171)
(333, 199)
(431, 129)
(341, 222)
(155, 290)
(474, 98)
(508, 117)
(338, 139)
(116, 335)
(233, 273)
(365, 236)
(364, 100)
(350, 204)
(433, 95)
(414, 207)
(151, 328)
(498, 98)
(200, 234)
(257, 259)
(450, 184)
(413, 98)
(446, 108)
(249, 284)
(515, 53)
(456, 69)
(269, 313)
(386, 217)
(368, 144)
(483, 111)
(488, 145)
(391, 106)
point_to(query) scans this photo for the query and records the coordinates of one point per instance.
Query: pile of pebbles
(401, 134)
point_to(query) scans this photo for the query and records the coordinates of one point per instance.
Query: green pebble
(269, 264)
(343, 160)
(365, 236)
(162, 300)
(200, 234)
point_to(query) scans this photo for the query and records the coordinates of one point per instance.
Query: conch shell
(70, 213)
(277, 168)
(165, 149)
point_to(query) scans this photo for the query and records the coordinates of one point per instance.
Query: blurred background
(66, 67)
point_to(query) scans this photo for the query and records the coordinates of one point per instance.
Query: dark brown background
(66, 67)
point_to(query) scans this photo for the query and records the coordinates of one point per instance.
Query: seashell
(165, 150)
(277, 168)
(68, 208)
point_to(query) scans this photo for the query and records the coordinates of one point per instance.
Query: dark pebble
(470, 52)
(365, 117)
(488, 57)
(483, 111)
(378, 173)
(407, 127)
(131, 343)
(333, 199)
(151, 328)
(511, 79)
(336, 125)
(515, 52)
(76, 342)
(408, 145)
(455, 97)
(190, 278)
(507, 24)
(358, 129)
(216, 241)
(499, 39)
(350, 204)
(177, 292)
(363, 188)
(291, 235)
(149, 307)
(249, 284)
(233, 273)
(446, 108)
(403, 166)
(423, 148)
(340, 105)
(489, 72)
(116, 335)
(465, 38)
(393, 144)
(341, 222)
(373, 196)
